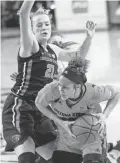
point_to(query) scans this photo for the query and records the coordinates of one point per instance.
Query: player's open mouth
(63, 95)
(44, 34)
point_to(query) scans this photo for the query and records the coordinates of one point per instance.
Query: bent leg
(46, 150)
(45, 136)
(26, 151)
(18, 128)
(44, 130)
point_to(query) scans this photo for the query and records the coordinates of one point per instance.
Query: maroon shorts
(22, 119)
(66, 157)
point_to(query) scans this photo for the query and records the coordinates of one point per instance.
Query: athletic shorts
(66, 157)
(22, 119)
(94, 151)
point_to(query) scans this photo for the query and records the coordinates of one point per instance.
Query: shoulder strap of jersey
(55, 49)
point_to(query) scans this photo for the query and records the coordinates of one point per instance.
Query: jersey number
(50, 71)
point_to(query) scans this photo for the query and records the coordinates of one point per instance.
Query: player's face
(42, 27)
(66, 88)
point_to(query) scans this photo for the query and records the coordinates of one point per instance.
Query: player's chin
(63, 97)
(45, 38)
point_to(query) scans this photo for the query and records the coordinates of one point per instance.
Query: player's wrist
(105, 115)
(89, 36)
(57, 120)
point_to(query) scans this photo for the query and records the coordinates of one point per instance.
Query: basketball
(86, 129)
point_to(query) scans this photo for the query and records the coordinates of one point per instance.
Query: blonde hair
(41, 11)
(78, 65)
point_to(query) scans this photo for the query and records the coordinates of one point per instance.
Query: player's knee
(27, 157)
(25, 146)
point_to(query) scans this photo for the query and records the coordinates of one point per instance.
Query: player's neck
(72, 101)
(44, 45)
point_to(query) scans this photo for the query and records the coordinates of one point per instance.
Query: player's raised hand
(90, 28)
(67, 126)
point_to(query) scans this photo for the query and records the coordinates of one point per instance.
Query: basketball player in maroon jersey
(70, 97)
(24, 127)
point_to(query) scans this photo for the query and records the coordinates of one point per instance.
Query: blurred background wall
(67, 15)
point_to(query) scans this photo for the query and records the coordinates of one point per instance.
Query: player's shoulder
(52, 45)
(55, 48)
(53, 86)
(90, 89)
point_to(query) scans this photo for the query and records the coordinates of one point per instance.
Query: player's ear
(76, 86)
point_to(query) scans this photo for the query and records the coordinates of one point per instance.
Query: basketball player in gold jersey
(68, 98)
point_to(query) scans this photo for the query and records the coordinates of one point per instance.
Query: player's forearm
(26, 7)
(47, 111)
(85, 47)
(110, 105)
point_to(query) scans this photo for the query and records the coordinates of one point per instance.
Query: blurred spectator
(117, 12)
(9, 13)
(38, 4)
(9, 17)
(51, 6)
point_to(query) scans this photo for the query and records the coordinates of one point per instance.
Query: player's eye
(47, 24)
(62, 87)
(39, 25)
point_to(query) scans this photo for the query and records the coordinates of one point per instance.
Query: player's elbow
(23, 13)
(116, 90)
(38, 102)
(118, 96)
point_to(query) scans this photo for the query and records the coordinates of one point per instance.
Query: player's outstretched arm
(112, 102)
(43, 100)
(109, 93)
(27, 37)
(90, 30)
(68, 49)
